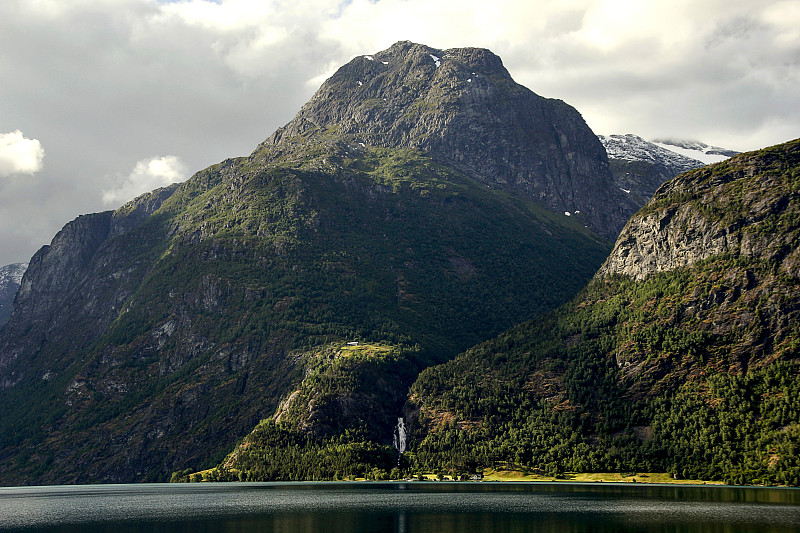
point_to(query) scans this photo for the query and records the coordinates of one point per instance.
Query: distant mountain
(696, 149)
(640, 167)
(414, 207)
(680, 356)
(10, 279)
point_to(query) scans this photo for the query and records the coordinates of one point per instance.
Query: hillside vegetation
(689, 369)
(207, 315)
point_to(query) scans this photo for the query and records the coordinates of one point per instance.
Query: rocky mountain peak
(462, 107)
(381, 97)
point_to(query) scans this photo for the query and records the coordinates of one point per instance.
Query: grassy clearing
(365, 349)
(595, 477)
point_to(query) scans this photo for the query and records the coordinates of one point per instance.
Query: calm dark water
(398, 507)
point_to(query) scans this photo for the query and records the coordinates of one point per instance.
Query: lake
(399, 507)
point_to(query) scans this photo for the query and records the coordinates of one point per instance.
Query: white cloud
(19, 155)
(147, 175)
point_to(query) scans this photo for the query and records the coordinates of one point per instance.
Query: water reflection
(400, 508)
(400, 522)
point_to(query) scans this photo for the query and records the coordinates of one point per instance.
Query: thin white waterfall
(399, 437)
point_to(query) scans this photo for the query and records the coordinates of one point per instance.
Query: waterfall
(399, 437)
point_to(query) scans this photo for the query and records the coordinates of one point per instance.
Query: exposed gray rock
(462, 106)
(75, 271)
(718, 209)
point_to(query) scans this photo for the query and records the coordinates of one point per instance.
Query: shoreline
(661, 478)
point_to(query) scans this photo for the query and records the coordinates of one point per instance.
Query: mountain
(10, 279)
(462, 107)
(413, 208)
(680, 356)
(640, 167)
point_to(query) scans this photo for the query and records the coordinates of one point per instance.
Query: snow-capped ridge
(631, 147)
(696, 149)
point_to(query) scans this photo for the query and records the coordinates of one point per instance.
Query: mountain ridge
(640, 167)
(659, 245)
(696, 146)
(631, 147)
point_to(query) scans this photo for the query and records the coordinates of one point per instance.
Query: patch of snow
(568, 213)
(436, 60)
(693, 152)
(385, 62)
(370, 58)
(360, 84)
(469, 80)
(12, 273)
(576, 212)
(696, 146)
(626, 191)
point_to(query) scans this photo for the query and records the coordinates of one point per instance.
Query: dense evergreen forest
(536, 398)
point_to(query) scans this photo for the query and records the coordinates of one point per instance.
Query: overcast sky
(101, 100)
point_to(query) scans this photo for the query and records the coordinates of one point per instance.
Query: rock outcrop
(731, 208)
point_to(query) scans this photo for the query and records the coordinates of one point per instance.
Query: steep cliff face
(152, 338)
(731, 208)
(462, 107)
(78, 283)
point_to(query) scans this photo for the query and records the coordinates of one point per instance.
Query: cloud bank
(108, 84)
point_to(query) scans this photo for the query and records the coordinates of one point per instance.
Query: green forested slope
(251, 270)
(691, 370)
(686, 363)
